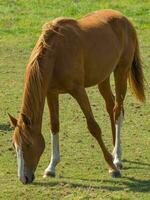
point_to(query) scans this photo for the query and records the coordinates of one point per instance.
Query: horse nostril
(29, 180)
(33, 177)
(26, 179)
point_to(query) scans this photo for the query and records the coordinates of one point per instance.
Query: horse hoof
(115, 174)
(49, 174)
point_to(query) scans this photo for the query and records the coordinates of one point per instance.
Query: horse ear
(25, 119)
(12, 120)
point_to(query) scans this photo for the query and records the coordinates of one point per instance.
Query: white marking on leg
(55, 155)
(117, 148)
(20, 162)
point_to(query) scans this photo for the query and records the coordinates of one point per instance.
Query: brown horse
(69, 56)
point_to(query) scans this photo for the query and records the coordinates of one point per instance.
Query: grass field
(82, 173)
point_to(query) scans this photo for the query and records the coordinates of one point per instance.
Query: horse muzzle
(27, 179)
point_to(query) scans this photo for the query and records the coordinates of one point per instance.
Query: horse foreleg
(53, 105)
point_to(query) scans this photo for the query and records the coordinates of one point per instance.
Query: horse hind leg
(117, 149)
(106, 92)
(80, 95)
(120, 76)
(54, 116)
(109, 98)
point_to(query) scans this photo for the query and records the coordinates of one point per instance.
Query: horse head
(29, 145)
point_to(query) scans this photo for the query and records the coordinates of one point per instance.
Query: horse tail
(136, 76)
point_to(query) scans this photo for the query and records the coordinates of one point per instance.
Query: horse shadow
(138, 164)
(125, 183)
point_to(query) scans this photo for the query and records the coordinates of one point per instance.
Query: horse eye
(29, 145)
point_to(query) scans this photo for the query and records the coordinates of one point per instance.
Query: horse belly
(98, 67)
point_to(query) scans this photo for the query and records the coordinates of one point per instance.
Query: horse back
(91, 47)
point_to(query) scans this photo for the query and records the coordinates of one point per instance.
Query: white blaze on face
(20, 162)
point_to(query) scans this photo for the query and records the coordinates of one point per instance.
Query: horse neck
(38, 76)
(33, 108)
(36, 85)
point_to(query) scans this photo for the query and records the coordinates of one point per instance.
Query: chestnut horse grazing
(69, 56)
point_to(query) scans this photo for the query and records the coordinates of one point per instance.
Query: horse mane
(34, 77)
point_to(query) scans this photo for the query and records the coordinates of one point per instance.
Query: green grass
(82, 172)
